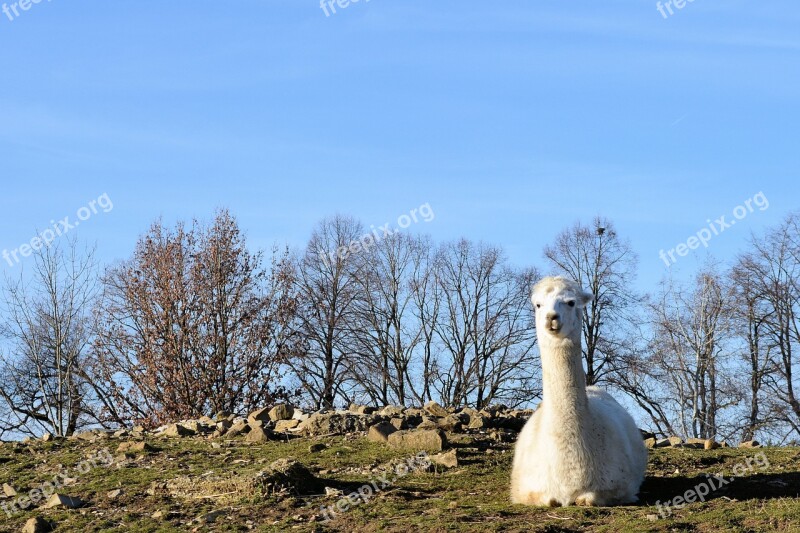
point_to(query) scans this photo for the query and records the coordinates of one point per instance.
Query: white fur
(580, 446)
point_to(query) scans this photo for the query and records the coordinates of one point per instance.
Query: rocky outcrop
(418, 440)
(380, 432)
(287, 475)
(336, 423)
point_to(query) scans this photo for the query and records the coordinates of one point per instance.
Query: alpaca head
(558, 303)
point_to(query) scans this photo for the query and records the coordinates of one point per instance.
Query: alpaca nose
(552, 315)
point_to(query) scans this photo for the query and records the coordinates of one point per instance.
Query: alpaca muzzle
(554, 325)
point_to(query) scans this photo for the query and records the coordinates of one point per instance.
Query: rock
(281, 411)
(87, 436)
(37, 525)
(750, 444)
(286, 425)
(435, 409)
(469, 412)
(418, 439)
(287, 475)
(177, 430)
(428, 423)
(317, 447)
(487, 413)
(399, 422)
(700, 444)
(447, 459)
(361, 409)
(697, 444)
(47, 437)
(198, 426)
(670, 441)
(261, 415)
(450, 423)
(223, 426)
(336, 423)
(300, 415)
(392, 411)
(222, 415)
(134, 446)
(237, 429)
(650, 443)
(502, 435)
(479, 421)
(380, 432)
(62, 500)
(9, 491)
(330, 491)
(257, 435)
(164, 515)
(114, 494)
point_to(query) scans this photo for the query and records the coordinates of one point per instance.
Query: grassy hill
(203, 484)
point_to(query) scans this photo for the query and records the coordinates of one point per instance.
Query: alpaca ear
(584, 298)
(533, 296)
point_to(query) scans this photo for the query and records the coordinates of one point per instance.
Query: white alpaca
(580, 446)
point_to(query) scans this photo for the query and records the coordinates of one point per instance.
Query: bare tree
(327, 288)
(751, 313)
(48, 327)
(773, 268)
(191, 325)
(596, 257)
(427, 298)
(642, 380)
(384, 330)
(691, 328)
(484, 328)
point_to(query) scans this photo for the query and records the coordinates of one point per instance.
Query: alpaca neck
(563, 381)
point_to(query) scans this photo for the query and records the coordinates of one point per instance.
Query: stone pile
(424, 428)
(284, 421)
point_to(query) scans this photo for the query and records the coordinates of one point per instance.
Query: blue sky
(512, 119)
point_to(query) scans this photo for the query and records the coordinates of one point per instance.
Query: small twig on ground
(559, 517)
(211, 496)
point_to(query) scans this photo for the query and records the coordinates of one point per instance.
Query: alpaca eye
(538, 306)
(571, 303)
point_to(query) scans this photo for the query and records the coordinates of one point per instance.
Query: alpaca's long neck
(564, 382)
